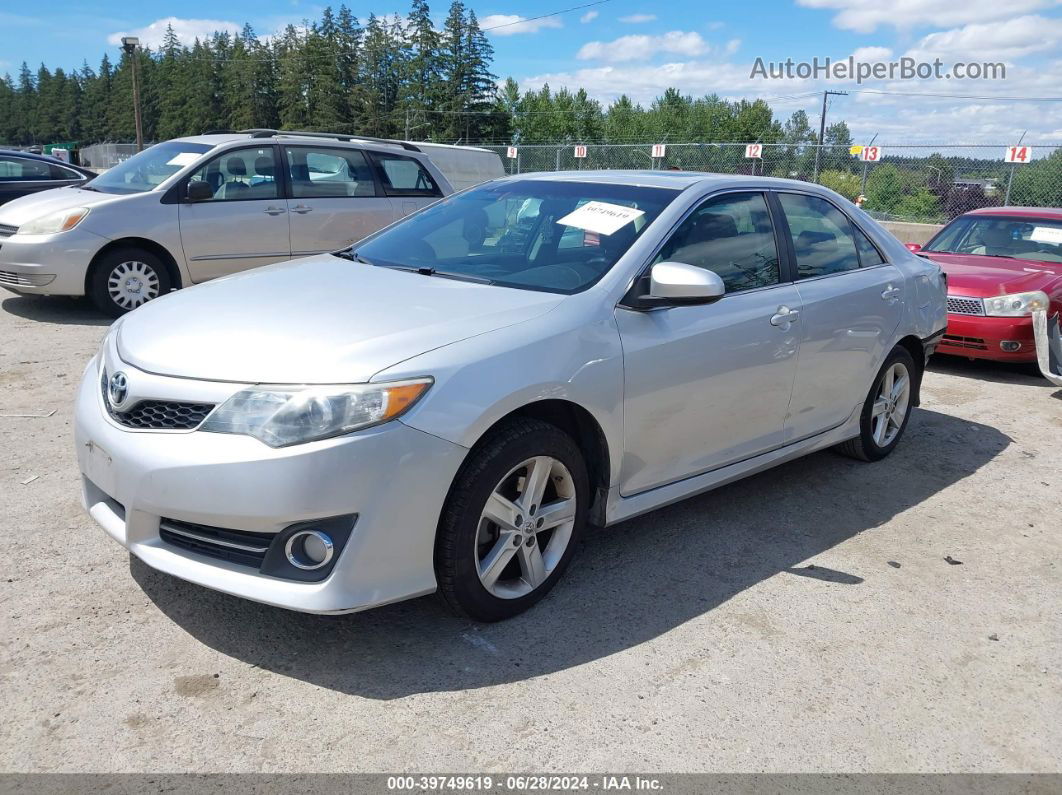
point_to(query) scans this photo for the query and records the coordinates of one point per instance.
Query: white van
(192, 209)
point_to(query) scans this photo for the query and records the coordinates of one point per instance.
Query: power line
(994, 98)
(546, 16)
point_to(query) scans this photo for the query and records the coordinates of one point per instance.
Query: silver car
(448, 404)
(192, 209)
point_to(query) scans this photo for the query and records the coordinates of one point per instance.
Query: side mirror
(676, 283)
(914, 248)
(199, 191)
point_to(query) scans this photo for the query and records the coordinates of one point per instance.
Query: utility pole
(130, 44)
(822, 128)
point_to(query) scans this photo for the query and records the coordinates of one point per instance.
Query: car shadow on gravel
(628, 584)
(59, 309)
(984, 370)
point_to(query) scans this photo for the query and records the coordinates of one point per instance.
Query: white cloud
(1012, 38)
(732, 46)
(642, 48)
(513, 24)
(716, 25)
(866, 15)
(187, 30)
(871, 54)
(638, 19)
(589, 16)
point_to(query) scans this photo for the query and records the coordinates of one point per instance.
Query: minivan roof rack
(267, 133)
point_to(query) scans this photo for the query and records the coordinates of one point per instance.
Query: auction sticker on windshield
(601, 217)
(183, 159)
(1046, 234)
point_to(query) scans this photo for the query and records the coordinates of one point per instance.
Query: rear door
(245, 224)
(406, 182)
(852, 303)
(20, 176)
(335, 200)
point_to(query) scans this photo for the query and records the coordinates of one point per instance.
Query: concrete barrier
(911, 233)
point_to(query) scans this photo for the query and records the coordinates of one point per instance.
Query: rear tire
(512, 520)
(126, 278)
(887, 409)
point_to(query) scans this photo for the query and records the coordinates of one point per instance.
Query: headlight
(1015, 304)
(292, 415)
(62, 221)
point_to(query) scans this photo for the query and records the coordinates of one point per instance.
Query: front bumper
(395, 478)
(980, 337)
(48, 264)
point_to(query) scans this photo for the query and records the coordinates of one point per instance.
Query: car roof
(33, 156)
(678, 180)
(221, 139)
(1027, 212)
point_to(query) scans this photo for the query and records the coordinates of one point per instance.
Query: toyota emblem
(118, 388)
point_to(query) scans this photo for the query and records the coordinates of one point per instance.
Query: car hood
(987, 276)
(315, 320)
(25, 208)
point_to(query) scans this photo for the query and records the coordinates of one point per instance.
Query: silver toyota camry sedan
(445, 405)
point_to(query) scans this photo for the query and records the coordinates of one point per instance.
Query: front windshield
(150, 168)
(1037, 239)
(533, 234)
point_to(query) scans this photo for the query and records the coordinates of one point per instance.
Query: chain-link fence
(104, 156)
(921, 183)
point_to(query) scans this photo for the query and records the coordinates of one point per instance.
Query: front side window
(148, 169)
(1036, 239)
(241, 174)
(23, 169)
(543, 235)
(335, 173)
(821, 235)
(404, 176)
(731, 235)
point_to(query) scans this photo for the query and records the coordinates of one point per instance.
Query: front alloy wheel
(512, 520)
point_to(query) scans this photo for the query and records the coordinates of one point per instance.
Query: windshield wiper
(88, 187)
(351, 255)
(431, 271)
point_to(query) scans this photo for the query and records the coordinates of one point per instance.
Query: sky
(640, 48)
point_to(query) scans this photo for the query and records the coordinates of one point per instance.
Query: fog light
(1010, 346)
(309, 549)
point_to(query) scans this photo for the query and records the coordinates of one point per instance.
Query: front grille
(13, 279)
(235, 546)
(974, 343)
(158, 415)
(6, 230)
(957, 305)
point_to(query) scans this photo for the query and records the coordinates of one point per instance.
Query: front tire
(126, 278)
(887, 409)
(511, 521)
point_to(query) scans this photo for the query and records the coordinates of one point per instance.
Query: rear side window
(869, 256)
(821, 234)
(732, 236)
(404, 176)
(17, 168)
(329, 173)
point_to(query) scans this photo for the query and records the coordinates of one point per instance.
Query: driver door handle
(301, 209)
(274, 210)
(784, 316)
(890, 293)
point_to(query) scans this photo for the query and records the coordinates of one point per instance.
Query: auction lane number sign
(754, 150)
(1017, 154)
(659, 150)
(870, 154)
(580, 151)
(511, 153)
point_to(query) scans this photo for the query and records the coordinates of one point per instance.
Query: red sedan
(1003, 263)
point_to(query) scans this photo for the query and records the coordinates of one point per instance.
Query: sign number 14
(1018, 154)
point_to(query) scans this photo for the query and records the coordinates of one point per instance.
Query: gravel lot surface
(801, 620)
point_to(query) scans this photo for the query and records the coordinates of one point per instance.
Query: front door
(334, 200)
(706, 386)
(852, 304)
(245, 224)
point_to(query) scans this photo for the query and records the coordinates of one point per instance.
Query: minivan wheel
(886, 411)
(126, 278)
(512, 520)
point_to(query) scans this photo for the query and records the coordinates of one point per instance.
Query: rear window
(404, 176)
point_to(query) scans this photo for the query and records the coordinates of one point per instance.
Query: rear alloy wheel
(511, 521)
(127, 278)
(886, 410)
